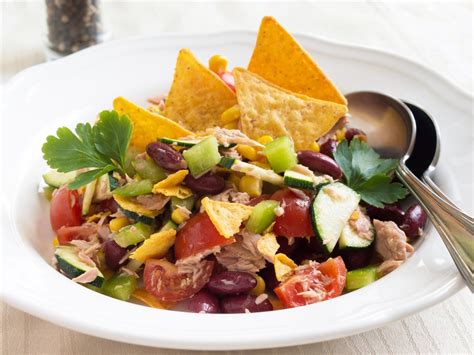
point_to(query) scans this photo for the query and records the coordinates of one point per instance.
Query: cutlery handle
(455, 229)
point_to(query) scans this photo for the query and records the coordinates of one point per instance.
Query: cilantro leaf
(101, 147)
(367, 173)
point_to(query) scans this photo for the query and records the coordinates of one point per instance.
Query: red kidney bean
(241, 303)
(328, 148)
(231, 283)
(352, 132)
(390, 212)
(207, 184)
(320, 163)
(356, 258)
(113, 254)
(414, 221)
(165, 156)
(204, 302)
(268, 274)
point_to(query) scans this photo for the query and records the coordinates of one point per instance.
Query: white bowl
(76, 88)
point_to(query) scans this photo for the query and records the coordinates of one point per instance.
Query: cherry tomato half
(313, 283)
(66, 234)
(296, 219)
(198, 235)
(162, 280)
(65, 209)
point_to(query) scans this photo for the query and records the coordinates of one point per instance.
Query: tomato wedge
(65, 209)
(313, 283)
(197, 236)
(162, 280)
(296, 219)
(67, 234)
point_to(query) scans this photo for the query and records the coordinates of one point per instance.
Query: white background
(437, 34)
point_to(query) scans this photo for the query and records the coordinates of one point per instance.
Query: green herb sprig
(368, 174)
(100, 148)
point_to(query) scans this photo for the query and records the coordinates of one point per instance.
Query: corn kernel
(234, 179)
(340, 134)
(264, 140)
(355, 215)
(315, 147)
(247, 152)
(55, 242)
(218, 63)
(232, 125)
(179, 216)
(251, 185)
(259, 288)
(118, 223)
(231, 114)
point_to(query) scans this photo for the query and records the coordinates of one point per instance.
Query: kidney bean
(328, 148)
(241, 303)
(320, 163)
(352, 132)
(113, 254)
(390, 212)
(204, 302)
(356, 258)
(231, 283)
(414, 221)
(268, 274)
(165, 156)
(207, 184)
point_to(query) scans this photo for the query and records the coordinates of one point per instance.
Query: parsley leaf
(367, 173)
(101, 147)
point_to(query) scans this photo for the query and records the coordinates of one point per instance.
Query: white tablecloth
(438, 35)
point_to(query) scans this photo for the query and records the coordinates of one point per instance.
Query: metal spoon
(391, 130)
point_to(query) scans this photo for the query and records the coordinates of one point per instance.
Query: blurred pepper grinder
(73, 25)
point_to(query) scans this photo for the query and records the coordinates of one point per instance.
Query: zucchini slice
(330, 211)
(297, 180)
(180, 142)
(56, 179)
(72, 266)
(257, 172)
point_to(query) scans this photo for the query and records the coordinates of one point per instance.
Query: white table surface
(438, 35)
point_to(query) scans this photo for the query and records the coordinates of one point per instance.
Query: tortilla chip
(148, 126)
(280, 59)
(155, 247)
(267, 245)
(267, 109)
(127, 204)
(283, 265)
(172, 179)
(177, 191)
(198, 96)
(226, 216)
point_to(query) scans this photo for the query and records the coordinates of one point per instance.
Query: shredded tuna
(247, 310)
(154, 202)
(391, 241)
(279, 211)
(231, 153)
(298, 193)
(317, 178)
(388, 266)
(186, 213)
(291, 241)
(129, 272)
(343, 121)
(192, 267)
(242, 255)
(85, 258)
(118, 214)
(87, 277)
(104, 232)
(261, 298)
(228, 136)
(361, 225)
(232, 195)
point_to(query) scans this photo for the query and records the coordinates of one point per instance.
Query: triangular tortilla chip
(283, 265)
(156, 246)
(148, 126)
(198, 96)
(172, 179)
(280, 59)
(226, 216)
(268, 109)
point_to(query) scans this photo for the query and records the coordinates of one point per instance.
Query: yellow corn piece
(179, 216)
(232, 114)
(315, 147)
(218, 63)
(247, 152)
(118, 223)
(150, 300)
(55, 242)
(276, 303)
(232, 125)
(355, 215)
(250, 185)
(264, 140)
(234, 179)
(259, 288)
(283, 265)
(340, 134)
